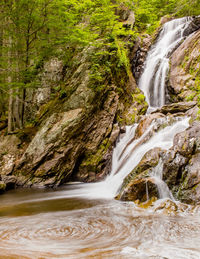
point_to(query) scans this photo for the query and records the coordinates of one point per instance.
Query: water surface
(43, 224)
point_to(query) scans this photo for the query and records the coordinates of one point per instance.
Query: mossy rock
(2, 186)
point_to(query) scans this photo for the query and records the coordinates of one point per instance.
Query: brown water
(45, 224)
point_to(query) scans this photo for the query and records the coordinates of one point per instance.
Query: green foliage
(32, 32)
(149, 12)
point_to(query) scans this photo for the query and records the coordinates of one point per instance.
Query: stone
(183, 61)
(181, 165)
(193, 26)
(2, 186)
(135, 185)
(8, 163)
(130, 20)
(140, 189)
(176, 107)
(10, 181)
(145, 123)
(188, 141)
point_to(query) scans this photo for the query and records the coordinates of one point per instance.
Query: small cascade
(163, 189)
(127, 155)
(133, 153)
(156, 68)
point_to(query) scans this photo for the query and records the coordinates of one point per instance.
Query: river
(43, 224)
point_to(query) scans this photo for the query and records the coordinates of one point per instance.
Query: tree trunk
(9, 80)
(10, 110)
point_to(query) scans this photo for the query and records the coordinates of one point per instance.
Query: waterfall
(156, 67)
(129, 150)
(126, 156)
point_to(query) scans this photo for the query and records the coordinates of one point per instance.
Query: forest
(32, 32)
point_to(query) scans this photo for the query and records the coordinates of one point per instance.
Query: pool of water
(45, 224)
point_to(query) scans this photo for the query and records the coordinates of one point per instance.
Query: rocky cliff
(74, 130)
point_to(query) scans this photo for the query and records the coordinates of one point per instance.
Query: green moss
(190, 97)
(91, 161)
(192, 68)
(2, 186)
(26, 134)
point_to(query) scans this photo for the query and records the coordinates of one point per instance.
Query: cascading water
(156, 68)
(126, 157)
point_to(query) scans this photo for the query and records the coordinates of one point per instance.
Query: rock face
(72, 141)
(185, 69)
(140, 52)
(177, 107)
(75, 132)
(182, 167)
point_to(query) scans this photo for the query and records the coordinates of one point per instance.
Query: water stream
(156, 68)
(84, 221)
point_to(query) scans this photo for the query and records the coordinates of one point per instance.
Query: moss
(2, 186)
(191, 67)
(26, 134)
(93, 160)
(190, 97)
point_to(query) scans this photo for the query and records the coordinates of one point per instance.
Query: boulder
(139, 184)
(176, 107)
(181, 165)
(140, 189)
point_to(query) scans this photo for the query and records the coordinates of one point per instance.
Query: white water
(153, 79)
(126, 157)
(163, 189)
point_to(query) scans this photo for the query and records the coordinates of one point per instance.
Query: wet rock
(187, 142)
(135, 185)
(181, 165)
(140, 55)
(149, 160)
(167, 207)
(140, 189)
(193, 26)
(145, 123)
(176, 107)
(172, 165)
(193, 172)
